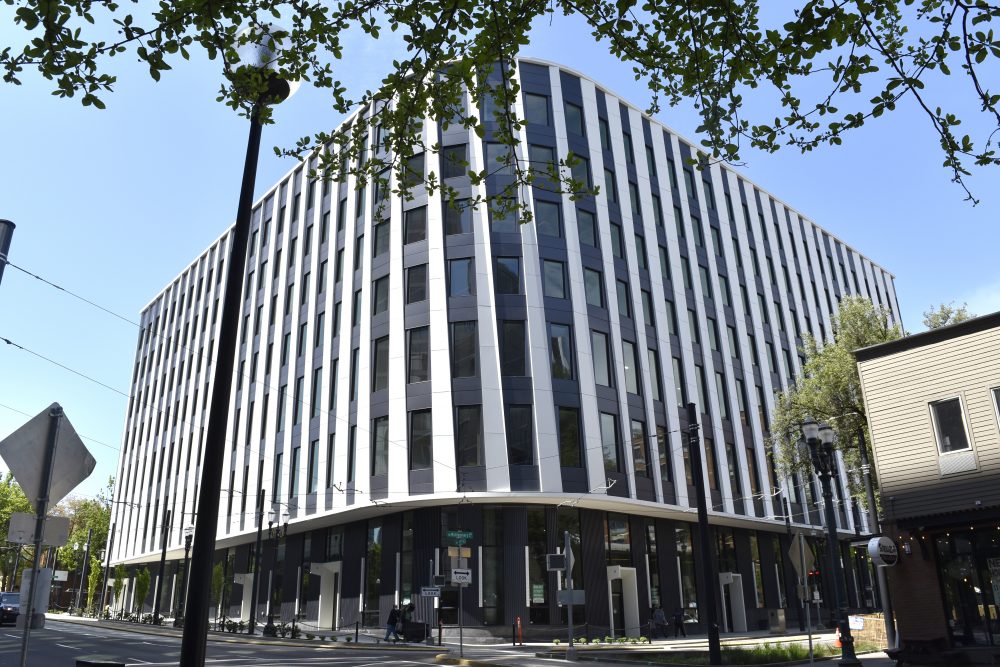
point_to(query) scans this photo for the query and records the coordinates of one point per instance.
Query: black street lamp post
(256, 565)
(179, 614)
(261, 57)
(83, 572)
(275, 534)
(106, 557)
(820, 442)
(6, 232)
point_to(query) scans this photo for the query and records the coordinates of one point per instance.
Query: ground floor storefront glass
(969, 570)
(627, 565)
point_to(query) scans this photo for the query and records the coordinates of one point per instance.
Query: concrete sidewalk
(364, 641)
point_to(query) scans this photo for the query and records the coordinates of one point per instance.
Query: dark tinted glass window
(457, 217)
(469, 435)
(512, 346)
(587, 226)
(463, 349)
(418, 355)
(416, 283)
(508, 275)
(380, 364)
(461, 277)
(453, 159)
(519, 446)
(415, 225)
(569, 438)
(421, 451)
(561, 350)
(536, 109)
(547, 218)
(380, 295)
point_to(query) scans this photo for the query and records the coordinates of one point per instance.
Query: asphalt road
(59, 644)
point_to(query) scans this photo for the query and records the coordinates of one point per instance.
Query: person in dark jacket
(679, 622)
(390, 624)
(659, 624)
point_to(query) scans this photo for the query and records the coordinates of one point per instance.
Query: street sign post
(461, 577)
(803, 565)
(48, 460)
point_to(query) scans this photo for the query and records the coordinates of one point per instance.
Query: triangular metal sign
(24, 453)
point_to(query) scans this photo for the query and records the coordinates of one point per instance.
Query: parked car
(10, 607)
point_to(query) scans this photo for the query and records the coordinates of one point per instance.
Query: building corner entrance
(623, 601)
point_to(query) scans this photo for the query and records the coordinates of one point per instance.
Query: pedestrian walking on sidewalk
(391, 623)
(659, 623)
(679, 622)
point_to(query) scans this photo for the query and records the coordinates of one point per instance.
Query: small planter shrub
(296, 632)
(595, 641)
(581, 640)
(556, 642)
(310, 635)
(283, 630)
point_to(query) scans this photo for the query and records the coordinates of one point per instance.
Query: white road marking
(72, 648)
(141, 662)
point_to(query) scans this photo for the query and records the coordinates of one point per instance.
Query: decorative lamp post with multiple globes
(274, 534)
(819, 439)
(179, 614)
(257, 58)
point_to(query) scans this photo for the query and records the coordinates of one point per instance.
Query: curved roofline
(624, 100)
(693, 144)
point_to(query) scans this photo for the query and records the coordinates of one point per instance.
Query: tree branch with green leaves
(799, 76)
(829, 390)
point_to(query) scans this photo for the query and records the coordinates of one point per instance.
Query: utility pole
(711, 584)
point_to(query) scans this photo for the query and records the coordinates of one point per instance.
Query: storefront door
(969, 567)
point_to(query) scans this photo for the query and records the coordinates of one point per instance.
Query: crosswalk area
(61, 643)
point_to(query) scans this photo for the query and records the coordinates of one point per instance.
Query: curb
(445, 659)
(250, 639)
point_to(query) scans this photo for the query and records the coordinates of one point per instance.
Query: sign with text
(430, 592)
(883, 551)
(461, 577)
(460, 537)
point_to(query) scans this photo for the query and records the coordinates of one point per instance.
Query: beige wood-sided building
(933, 402)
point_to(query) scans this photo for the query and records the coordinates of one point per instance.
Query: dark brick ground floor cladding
(336, 575)
(947, 582)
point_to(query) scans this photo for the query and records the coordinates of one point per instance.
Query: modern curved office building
(437, 375)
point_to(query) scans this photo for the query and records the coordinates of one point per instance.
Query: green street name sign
(460, 536)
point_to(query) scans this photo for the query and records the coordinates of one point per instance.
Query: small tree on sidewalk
(141, 586)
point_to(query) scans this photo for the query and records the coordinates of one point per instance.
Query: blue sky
(114, 204)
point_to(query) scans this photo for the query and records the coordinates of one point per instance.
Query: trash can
(776, 621)
(414, 632)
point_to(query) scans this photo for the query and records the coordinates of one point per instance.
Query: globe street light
(274, 534)
(179, 614)
(6, 231)
(259, 57)
(255, 586)
(820, 442)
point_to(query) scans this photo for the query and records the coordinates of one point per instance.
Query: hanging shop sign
(883, 551)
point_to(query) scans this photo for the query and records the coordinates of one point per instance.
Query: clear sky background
(114, 204)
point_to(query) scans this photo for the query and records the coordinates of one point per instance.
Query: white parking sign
(461, 576)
